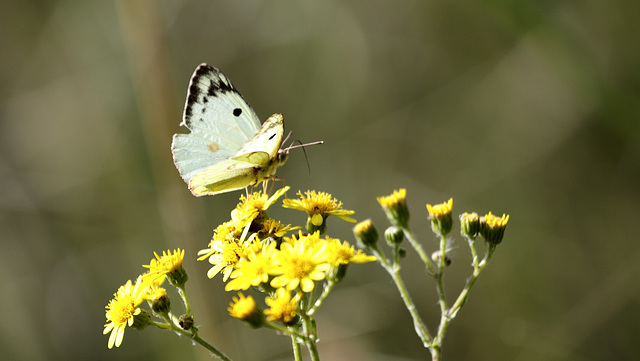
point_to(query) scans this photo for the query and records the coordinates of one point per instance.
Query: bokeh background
(529, 108)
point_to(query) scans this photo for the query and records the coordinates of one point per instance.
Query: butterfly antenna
(300, 145)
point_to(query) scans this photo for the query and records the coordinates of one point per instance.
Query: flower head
(224, 256)
(254, 209)
(492, 228)
(301, 261)
(395, 207)
(282, 306)
(366, 233)
(341, 255)
(259, 264)
(318, 206)
(274, 229)
(245, 308)
(440, 217)
(170, 265)
(123, 309)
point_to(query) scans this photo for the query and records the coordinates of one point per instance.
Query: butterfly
(227, 148)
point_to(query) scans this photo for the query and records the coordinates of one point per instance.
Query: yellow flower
(395, 207)
(300, 263)
(122, 310)
(274, 229)
(318, 206)
(223, 256)
(170, 265)
(227, 232)
(254, 209)
(282, 307)
(245, 308)
(492, 228)
(344, 253)
(440, 217)
(158, 298)
(366, 233)
(392, 200)
(255, 269)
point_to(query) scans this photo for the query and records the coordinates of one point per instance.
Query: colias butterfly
(227, 148)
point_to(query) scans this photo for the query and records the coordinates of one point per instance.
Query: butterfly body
(227, 148)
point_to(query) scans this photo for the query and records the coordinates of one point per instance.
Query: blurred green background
(529, 108)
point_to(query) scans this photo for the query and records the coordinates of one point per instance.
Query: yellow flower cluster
(253, 250)
(123, 309)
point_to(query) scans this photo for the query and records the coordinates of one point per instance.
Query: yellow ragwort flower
(342, 253)
(227, 232)
(440, 217)
(245, 308)
(255, 207)
(282, 306)
(122, 310)
(170, 265)
(223, 256)
(274, 229)
(492, 228)
(395, 207)
(318, 206)
(366, 233)
(256, 268)
(390, 201)
(300, 263)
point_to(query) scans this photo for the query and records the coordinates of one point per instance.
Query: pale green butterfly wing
(256, 161)
(227, 149)
(219, 119)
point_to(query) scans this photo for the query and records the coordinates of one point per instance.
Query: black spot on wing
(207, 81)
(272, 135)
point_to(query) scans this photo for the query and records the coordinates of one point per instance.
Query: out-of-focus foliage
(523, 107)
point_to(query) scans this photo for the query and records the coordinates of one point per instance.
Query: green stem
(464, 295)
(394, 272)
(194, 336)
(439, 276)
(309, 329)
(297, 352)
(436, 353)
(423, 255)
(284, 330)
(183, 293)
(323, 296)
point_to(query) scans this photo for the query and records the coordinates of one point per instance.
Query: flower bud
(160, 302)
(469, 224)
(394, 235)
(186, 322)
(366, 233)
(142, 320)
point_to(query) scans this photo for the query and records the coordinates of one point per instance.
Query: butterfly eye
(237, 112)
